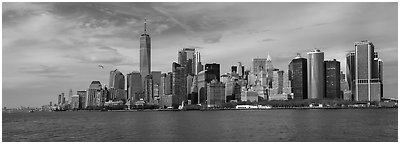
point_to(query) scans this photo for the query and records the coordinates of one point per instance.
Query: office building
(145, 53)
(198, 66)
(350, 72)
(251, 96)
(214, 69)
(215, 93)
(186, 58)
(82, 98)
(316, 74)
(116, 85)
(367, 87)
(168, 83)
(156, 75)
(259, 64)
(134, 85)
(69, 96)
(233, 69)
(93, 92)
(75, 102)
(298, 77)
(178, 85)
(240, 70)
(232, 91)
(332, 79)
(148, 89)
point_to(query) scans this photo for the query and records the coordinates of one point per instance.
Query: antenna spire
(145, 28)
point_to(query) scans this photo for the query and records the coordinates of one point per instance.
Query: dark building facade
(148, 89)
(332, 79)
(298, 77)
(214, 69)
(134, 85)
(178, 85)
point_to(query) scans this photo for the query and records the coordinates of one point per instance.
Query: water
(204, 126)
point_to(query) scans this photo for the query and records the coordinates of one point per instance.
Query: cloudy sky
(49, 48)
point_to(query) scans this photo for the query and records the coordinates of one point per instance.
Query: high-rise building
(232, 91)
(156, 75)
(240, 70)
(367, 88)
(62, 99)
(198, 66)
(259, 64)
(168, 83)
(145, 53)
(350, 72)
(214, 69)
(332, 79)
(117, 85)
(316, 74)
(75, 101)
(178, 85)
(82, 98)
(94, 89)
(269, 67)
(162, 84)
(194, 91)
(186, 58)
(69, 96)
(298, 77)
(148, 89)
(59, 99)
(215, 94)
(134, 85)
(234, 69)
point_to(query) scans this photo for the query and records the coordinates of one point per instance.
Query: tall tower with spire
(145, 53)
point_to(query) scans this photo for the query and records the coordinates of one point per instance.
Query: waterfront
(251, 125)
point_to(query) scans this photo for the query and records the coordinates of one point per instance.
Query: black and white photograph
(199, 71)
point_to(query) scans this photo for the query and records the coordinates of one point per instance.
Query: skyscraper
(240, 70)
(134, 85)
(367, 88)
(214, 69)
(178, 85)
(186, 58)
(298, 77)
(148, 89)
(316, 74)
(233, 69)
(145, 53)
(350, 72)
(269, 67)
(259, 65)
(94, 88)
(82, 98)
(215, 94)
(332, 79)
(117, 85)
(156, 76)
(198, 66)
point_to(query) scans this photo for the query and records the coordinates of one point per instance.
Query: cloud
(268, 40)
(215, 38)
(321, 24)
(98, 55)
(47, 71)
(297, 28)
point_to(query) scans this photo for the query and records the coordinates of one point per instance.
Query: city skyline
(108, 34)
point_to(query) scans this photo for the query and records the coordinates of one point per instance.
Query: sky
(49, 48)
